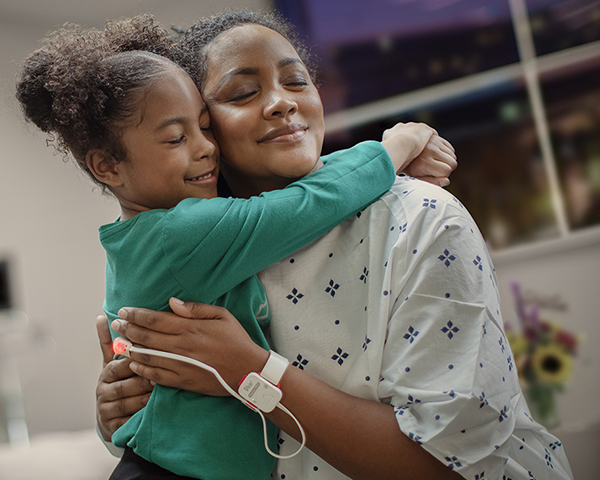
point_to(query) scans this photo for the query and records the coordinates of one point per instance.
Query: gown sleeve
(447, 367)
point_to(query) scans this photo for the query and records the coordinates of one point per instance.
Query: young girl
(137, 124)
(403, 369)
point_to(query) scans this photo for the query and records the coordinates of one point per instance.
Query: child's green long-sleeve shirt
(210, 250)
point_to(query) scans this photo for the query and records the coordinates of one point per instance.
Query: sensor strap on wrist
(261, 390)
(274, 368)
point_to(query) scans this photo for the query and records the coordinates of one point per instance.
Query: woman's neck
(245, 187)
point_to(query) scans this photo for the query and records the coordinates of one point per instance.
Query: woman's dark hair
(190, 51)
(82, 85)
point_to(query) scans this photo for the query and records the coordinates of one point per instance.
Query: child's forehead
(171, 94)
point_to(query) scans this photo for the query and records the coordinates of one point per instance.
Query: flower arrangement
(543, 352)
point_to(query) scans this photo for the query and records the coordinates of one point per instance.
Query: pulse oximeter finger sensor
(121, 346)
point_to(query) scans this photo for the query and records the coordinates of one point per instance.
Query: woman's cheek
(228, 133)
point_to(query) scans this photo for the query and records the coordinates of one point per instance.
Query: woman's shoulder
(411, 187)
(410, 197)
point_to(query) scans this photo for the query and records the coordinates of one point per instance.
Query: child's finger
(436, 165)
(439, 181)
(447, 144)
(450, 161)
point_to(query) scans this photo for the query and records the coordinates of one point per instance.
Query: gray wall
(50, 214)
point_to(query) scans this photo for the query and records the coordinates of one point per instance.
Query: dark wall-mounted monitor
(5, 293)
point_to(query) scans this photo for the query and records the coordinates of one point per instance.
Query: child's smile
(204, 179)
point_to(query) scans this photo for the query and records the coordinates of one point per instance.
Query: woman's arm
(373, 447)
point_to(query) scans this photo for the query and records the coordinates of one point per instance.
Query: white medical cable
(128, 347)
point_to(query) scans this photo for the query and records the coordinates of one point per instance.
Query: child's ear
(104, 170)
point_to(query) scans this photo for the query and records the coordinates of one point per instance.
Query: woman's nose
(280, 104)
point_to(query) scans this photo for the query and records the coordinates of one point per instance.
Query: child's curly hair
(82, 85)
(191, 48)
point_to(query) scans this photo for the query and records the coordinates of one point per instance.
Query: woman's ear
(103, 169)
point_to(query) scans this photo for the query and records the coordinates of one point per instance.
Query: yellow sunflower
(551, 364)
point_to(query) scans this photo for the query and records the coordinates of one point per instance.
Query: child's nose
(204, 147)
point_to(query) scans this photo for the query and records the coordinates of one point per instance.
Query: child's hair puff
(82, 84)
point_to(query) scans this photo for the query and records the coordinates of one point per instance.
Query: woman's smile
(287, 133)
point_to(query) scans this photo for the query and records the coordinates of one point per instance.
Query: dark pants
(134, 467)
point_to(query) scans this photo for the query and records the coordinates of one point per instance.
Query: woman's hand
(204, 332)
(119, 393)
(373, 446)
(435, 163)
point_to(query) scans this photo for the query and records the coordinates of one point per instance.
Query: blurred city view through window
(513, 84)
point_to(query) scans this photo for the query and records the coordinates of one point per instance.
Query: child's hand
(435, 163)
(405, 141)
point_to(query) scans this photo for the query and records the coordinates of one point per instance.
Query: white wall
(564, 271)
(567, 272)
(49, 216)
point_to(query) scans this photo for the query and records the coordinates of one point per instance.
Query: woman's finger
(142, 336)
(157, 375)
(159, 321)
(124, 407)
(110, 426)
(184, 377)
(115, 370)
(105, 339)
(117, 390)
(198, 311)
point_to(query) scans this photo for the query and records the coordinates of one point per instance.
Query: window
(572, 98)
(511, 83)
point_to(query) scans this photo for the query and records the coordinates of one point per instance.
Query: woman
(174, 237)
(403, 370)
